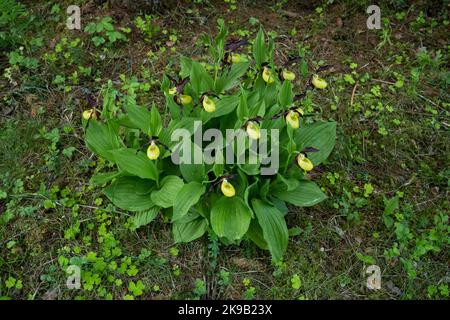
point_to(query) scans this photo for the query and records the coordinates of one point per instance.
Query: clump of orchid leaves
(229, 90)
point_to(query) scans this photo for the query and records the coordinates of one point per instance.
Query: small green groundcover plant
(233, 201)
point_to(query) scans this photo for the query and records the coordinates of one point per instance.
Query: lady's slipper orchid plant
(162, 177)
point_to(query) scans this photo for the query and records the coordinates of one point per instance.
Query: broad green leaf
(166, 195)
(193, 171)
(255, 234)
(218, 168)
(286, 96)
(145, 217)
(102, 138)
(136, 163)
(223, 106)
(270, 95)
(174, 108)
(229, 78)
(109, 100)
(242, 109)
(188, 195)
(102, 178)
(240, 183)
(124, 121)
(264, 190)
(130, 193)
(258, 109)
(200, 79)
(273, 226)
(185, 66)
(259, 48)
(306, 194)
(139, 116)
(320, 135)
(250, 169)
(251, 191)
(280, 205)
(230, 217)
(184, 123)
(155, 122)
(192, 226)
(290, 183)
(218, 50)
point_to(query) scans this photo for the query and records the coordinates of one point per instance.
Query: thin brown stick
(383, 81)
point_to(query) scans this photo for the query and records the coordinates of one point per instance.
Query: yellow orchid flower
(153, 151)
(318, 82)
(89, 114)
(208, 104)
(253, 130)
(304, 163)
(292, 118)
(234, 58)
(173, 90)
(267, 75)
(288, 75)
(227, 188)
(185, 99)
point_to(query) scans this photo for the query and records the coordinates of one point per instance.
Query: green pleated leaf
(102, 178)
(190, 170)
(102, 138)
(230, 217)
(242, 110)
(155, 122)
(192, 226)
(200, 79)
(306, 194)
(135, 163)
(259, 48)
(286, 96)
(130, 193)
(166, 134)
(229, 78)
(139, 116)
(255, 234)
(145, 217)
(188, 195)
(273, 227)
(319, 135)
(166, 195)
